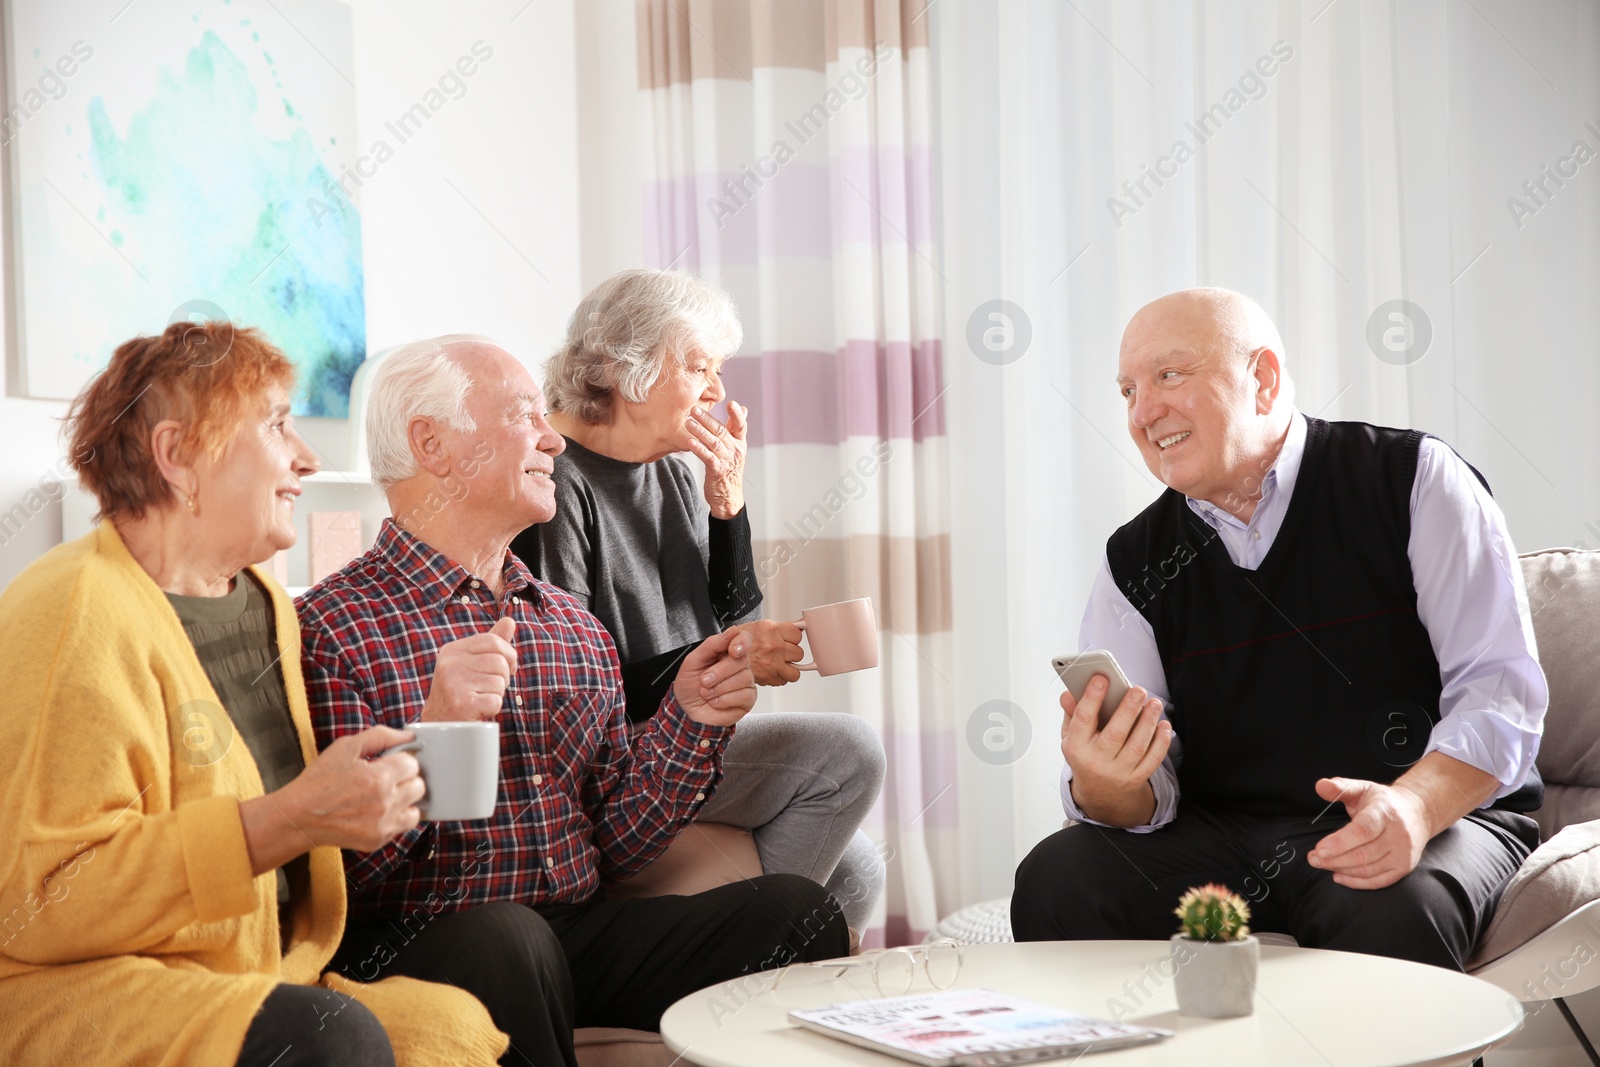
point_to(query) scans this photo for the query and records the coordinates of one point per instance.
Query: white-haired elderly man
(440, 622)
(1332, 616)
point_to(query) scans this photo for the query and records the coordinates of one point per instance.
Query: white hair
(416, 380)
(621, 335)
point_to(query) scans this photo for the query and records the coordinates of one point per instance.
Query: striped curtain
(788, 162)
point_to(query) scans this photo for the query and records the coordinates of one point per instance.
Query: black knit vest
(1315, 664)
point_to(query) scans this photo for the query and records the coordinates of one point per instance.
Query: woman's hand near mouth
(722, 449)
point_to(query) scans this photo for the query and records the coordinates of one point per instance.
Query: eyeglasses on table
(893, 970)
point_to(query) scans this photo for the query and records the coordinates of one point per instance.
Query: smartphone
(1076, 670)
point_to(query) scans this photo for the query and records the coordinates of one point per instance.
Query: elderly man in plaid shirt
(440, 622)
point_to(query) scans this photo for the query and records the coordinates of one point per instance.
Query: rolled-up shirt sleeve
(1471, 599)
(1112, 623)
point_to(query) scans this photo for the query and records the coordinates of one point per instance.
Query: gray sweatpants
(802, 782)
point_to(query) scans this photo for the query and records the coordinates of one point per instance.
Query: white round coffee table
(1312, 1007)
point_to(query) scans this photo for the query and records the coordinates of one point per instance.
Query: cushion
(704, 856)
(607, 1047)
(587, 1036)
(1561, 876)
(1563, 587)
(1269, 938)
(979, 924)
(1565, 805)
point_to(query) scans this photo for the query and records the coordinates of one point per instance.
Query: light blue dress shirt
(1470, 598)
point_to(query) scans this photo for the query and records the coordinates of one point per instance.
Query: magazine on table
(970, 1026)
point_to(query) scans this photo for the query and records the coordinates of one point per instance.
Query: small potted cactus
(1214, 957)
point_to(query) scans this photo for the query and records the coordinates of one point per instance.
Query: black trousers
(542, 972)
(308, 1026)
(1090, 883)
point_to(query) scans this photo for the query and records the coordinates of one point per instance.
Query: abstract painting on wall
(176, 160)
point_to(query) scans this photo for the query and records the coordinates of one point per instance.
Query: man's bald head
(1208, 399)
(1229, 321)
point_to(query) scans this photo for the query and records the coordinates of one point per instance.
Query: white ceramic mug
(460, 766)
(843, 637)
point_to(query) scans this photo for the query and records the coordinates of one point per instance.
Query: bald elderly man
(1336, 701)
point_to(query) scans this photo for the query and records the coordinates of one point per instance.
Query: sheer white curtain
(1327, 159)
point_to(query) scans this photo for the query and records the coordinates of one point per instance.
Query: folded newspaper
(969, 1026)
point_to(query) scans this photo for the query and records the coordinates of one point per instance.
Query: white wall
(498, 253)
(500, 256)
(610, 138)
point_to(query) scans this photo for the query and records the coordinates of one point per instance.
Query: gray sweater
(637, 544)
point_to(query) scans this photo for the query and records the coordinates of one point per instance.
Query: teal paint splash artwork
(194, 181)
(201, 171)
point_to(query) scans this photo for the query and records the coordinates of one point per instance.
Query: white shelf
(325, 491)
(341, 441)
(334, 477)
(340, 477)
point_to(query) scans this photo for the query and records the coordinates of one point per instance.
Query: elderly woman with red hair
(170, 881)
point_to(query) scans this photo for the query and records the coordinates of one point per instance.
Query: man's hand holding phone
(1112, 765)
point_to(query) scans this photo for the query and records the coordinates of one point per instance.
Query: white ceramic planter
(1215, 979)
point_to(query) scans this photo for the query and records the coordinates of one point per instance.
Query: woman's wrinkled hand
(345, 797)
(774, 651)
(721, 447)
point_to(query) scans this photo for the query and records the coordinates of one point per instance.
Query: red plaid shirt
(578, 805)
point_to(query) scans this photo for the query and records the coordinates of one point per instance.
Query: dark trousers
(1090, 883)
(541, 972)
(308, 1026)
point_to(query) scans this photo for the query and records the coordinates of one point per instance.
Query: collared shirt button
(518, 698)
(465, 599)
(549, 861)
(476, 584)
(699, 796)
(705, 744)
(538, 779)
(1255, 534)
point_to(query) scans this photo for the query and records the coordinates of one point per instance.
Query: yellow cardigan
(131, 928)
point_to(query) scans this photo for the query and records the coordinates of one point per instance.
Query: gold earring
(190, 503)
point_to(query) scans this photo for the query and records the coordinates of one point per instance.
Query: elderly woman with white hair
(664, 563)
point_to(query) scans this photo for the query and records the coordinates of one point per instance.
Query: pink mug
(843, 637)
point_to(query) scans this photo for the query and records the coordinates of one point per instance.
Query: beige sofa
(1544, 941)
(703, 857)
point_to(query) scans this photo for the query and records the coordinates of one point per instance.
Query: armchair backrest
(1564, 598)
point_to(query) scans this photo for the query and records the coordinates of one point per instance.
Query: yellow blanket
(131, 929)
